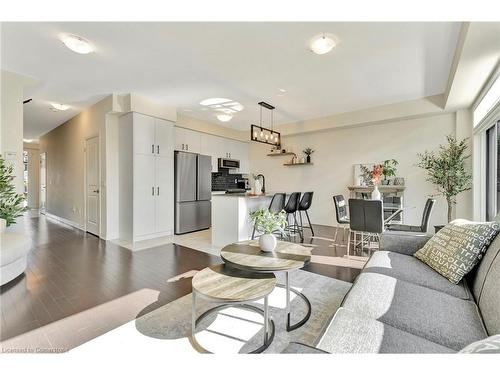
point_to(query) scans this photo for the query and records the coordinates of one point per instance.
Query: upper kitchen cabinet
(211, 145)
(152, 136)
(187, 140)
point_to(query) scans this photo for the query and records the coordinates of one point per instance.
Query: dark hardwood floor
(78, 286)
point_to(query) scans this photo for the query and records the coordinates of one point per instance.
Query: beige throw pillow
(458, 247)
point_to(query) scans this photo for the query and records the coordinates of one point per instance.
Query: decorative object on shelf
(268, 223)
(11, 203)
(303, 160)
(308, 151)
(265, 135)
(389, 170)
(257, 185)
(376, 173)
(399, 181)
(447, 169)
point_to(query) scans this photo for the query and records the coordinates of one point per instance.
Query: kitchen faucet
(263, 183)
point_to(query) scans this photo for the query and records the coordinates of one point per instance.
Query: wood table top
(223, 283)
(247, 255)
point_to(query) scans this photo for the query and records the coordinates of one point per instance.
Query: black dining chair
(366, 217)
(276, 205)
(424, 225)
(304, 205)
(340, 214)
(291, 208)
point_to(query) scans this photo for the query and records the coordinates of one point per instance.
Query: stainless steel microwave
(229, 163)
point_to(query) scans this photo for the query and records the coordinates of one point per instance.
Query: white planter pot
(257, 187)
(376, 193)
(3, 224)
(268, 242)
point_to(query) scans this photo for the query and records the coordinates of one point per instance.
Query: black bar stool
(277, 205)
(291, 208)
(304, 205)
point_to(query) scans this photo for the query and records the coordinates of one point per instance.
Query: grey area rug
(173, 321)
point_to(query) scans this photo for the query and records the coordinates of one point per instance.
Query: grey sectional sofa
(400, 305)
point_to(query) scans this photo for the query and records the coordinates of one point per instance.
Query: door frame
(43, 209)
(85, 183)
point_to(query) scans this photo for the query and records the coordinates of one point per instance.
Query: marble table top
(224, 283)
(247, 255)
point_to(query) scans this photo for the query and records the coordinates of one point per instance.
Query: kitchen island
(230, 216)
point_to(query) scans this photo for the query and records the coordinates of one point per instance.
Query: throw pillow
(490, 345)
(458, 247)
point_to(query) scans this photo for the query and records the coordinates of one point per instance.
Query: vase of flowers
(377, 173)
(308, 152)
(268, 223)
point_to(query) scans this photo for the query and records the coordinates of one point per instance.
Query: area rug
(235, 330)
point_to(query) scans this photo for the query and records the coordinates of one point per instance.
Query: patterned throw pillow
(490, 345)
(458, 247)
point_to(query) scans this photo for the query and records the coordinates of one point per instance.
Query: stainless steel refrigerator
(193, 192)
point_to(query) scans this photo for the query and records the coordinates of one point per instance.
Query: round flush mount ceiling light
(214, 101)
(224, 117)
(322, 44)
(76, 43)
(59, 107)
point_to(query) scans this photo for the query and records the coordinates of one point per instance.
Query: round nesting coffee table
(228, 286)
(287, 257)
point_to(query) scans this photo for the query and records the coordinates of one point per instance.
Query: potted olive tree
(268, 223)
(447, 169)
(11, 203)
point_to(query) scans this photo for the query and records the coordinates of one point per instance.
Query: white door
(145, 191)
(92, 182)
(164, 195)
(43, 182)
(144, 134)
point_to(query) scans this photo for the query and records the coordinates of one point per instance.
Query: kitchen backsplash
(222, 181)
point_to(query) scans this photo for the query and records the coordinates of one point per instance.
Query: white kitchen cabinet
(211, 146)
(187, 140)
(146, 177)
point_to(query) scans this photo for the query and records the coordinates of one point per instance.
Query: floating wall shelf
(281, 153)
(292, 164)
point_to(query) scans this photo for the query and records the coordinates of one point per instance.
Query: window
(493, 171)
(488, 102)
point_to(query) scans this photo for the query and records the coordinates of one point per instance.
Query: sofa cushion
(458, 247)
(433, 315)
(489, 299)
(350, 332)
(408, 268)
(490, 345)
(12, 247)
(299, 348)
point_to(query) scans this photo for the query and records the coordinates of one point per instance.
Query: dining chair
(291, 207)
(276, 205)
(366, 217)
(340, 214)
(424, 225)
(304, 205)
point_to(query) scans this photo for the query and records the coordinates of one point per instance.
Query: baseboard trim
(64, 221)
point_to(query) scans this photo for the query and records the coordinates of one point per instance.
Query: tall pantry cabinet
(146, 177)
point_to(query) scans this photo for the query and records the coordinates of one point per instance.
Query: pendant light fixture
(259, 133)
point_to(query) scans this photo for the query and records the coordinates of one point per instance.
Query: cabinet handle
(183, 146)
(158, 190)
(153, 190)
(153, 149)
(187, 147)
(157, 149)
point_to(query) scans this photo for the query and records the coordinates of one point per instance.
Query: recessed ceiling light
(59, 107)
(224, 117)
(76, 43)
(27, 140)
(282, 90)
(322, 44)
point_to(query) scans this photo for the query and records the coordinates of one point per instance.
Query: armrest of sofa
(298, 348)
(406, 243)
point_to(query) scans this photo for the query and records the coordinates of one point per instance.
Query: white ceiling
(183, 63)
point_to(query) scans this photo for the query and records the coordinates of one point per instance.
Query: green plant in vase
(447, 169)
(268, 223)
(308, 152)
(389, 170)
(11, 203)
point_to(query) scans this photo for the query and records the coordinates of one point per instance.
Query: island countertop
(242, 195)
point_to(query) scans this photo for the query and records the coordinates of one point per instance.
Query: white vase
(257, 187)
(376, 193)
(268, 242)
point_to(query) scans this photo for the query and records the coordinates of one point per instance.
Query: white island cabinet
(230, 216)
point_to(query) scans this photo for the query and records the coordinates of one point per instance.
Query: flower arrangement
(372, 176)
(308, 151)
(267, 222)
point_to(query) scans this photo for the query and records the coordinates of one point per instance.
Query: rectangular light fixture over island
(259, 133)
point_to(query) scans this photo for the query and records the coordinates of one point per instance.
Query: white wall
(11, 127)
(337, 150)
